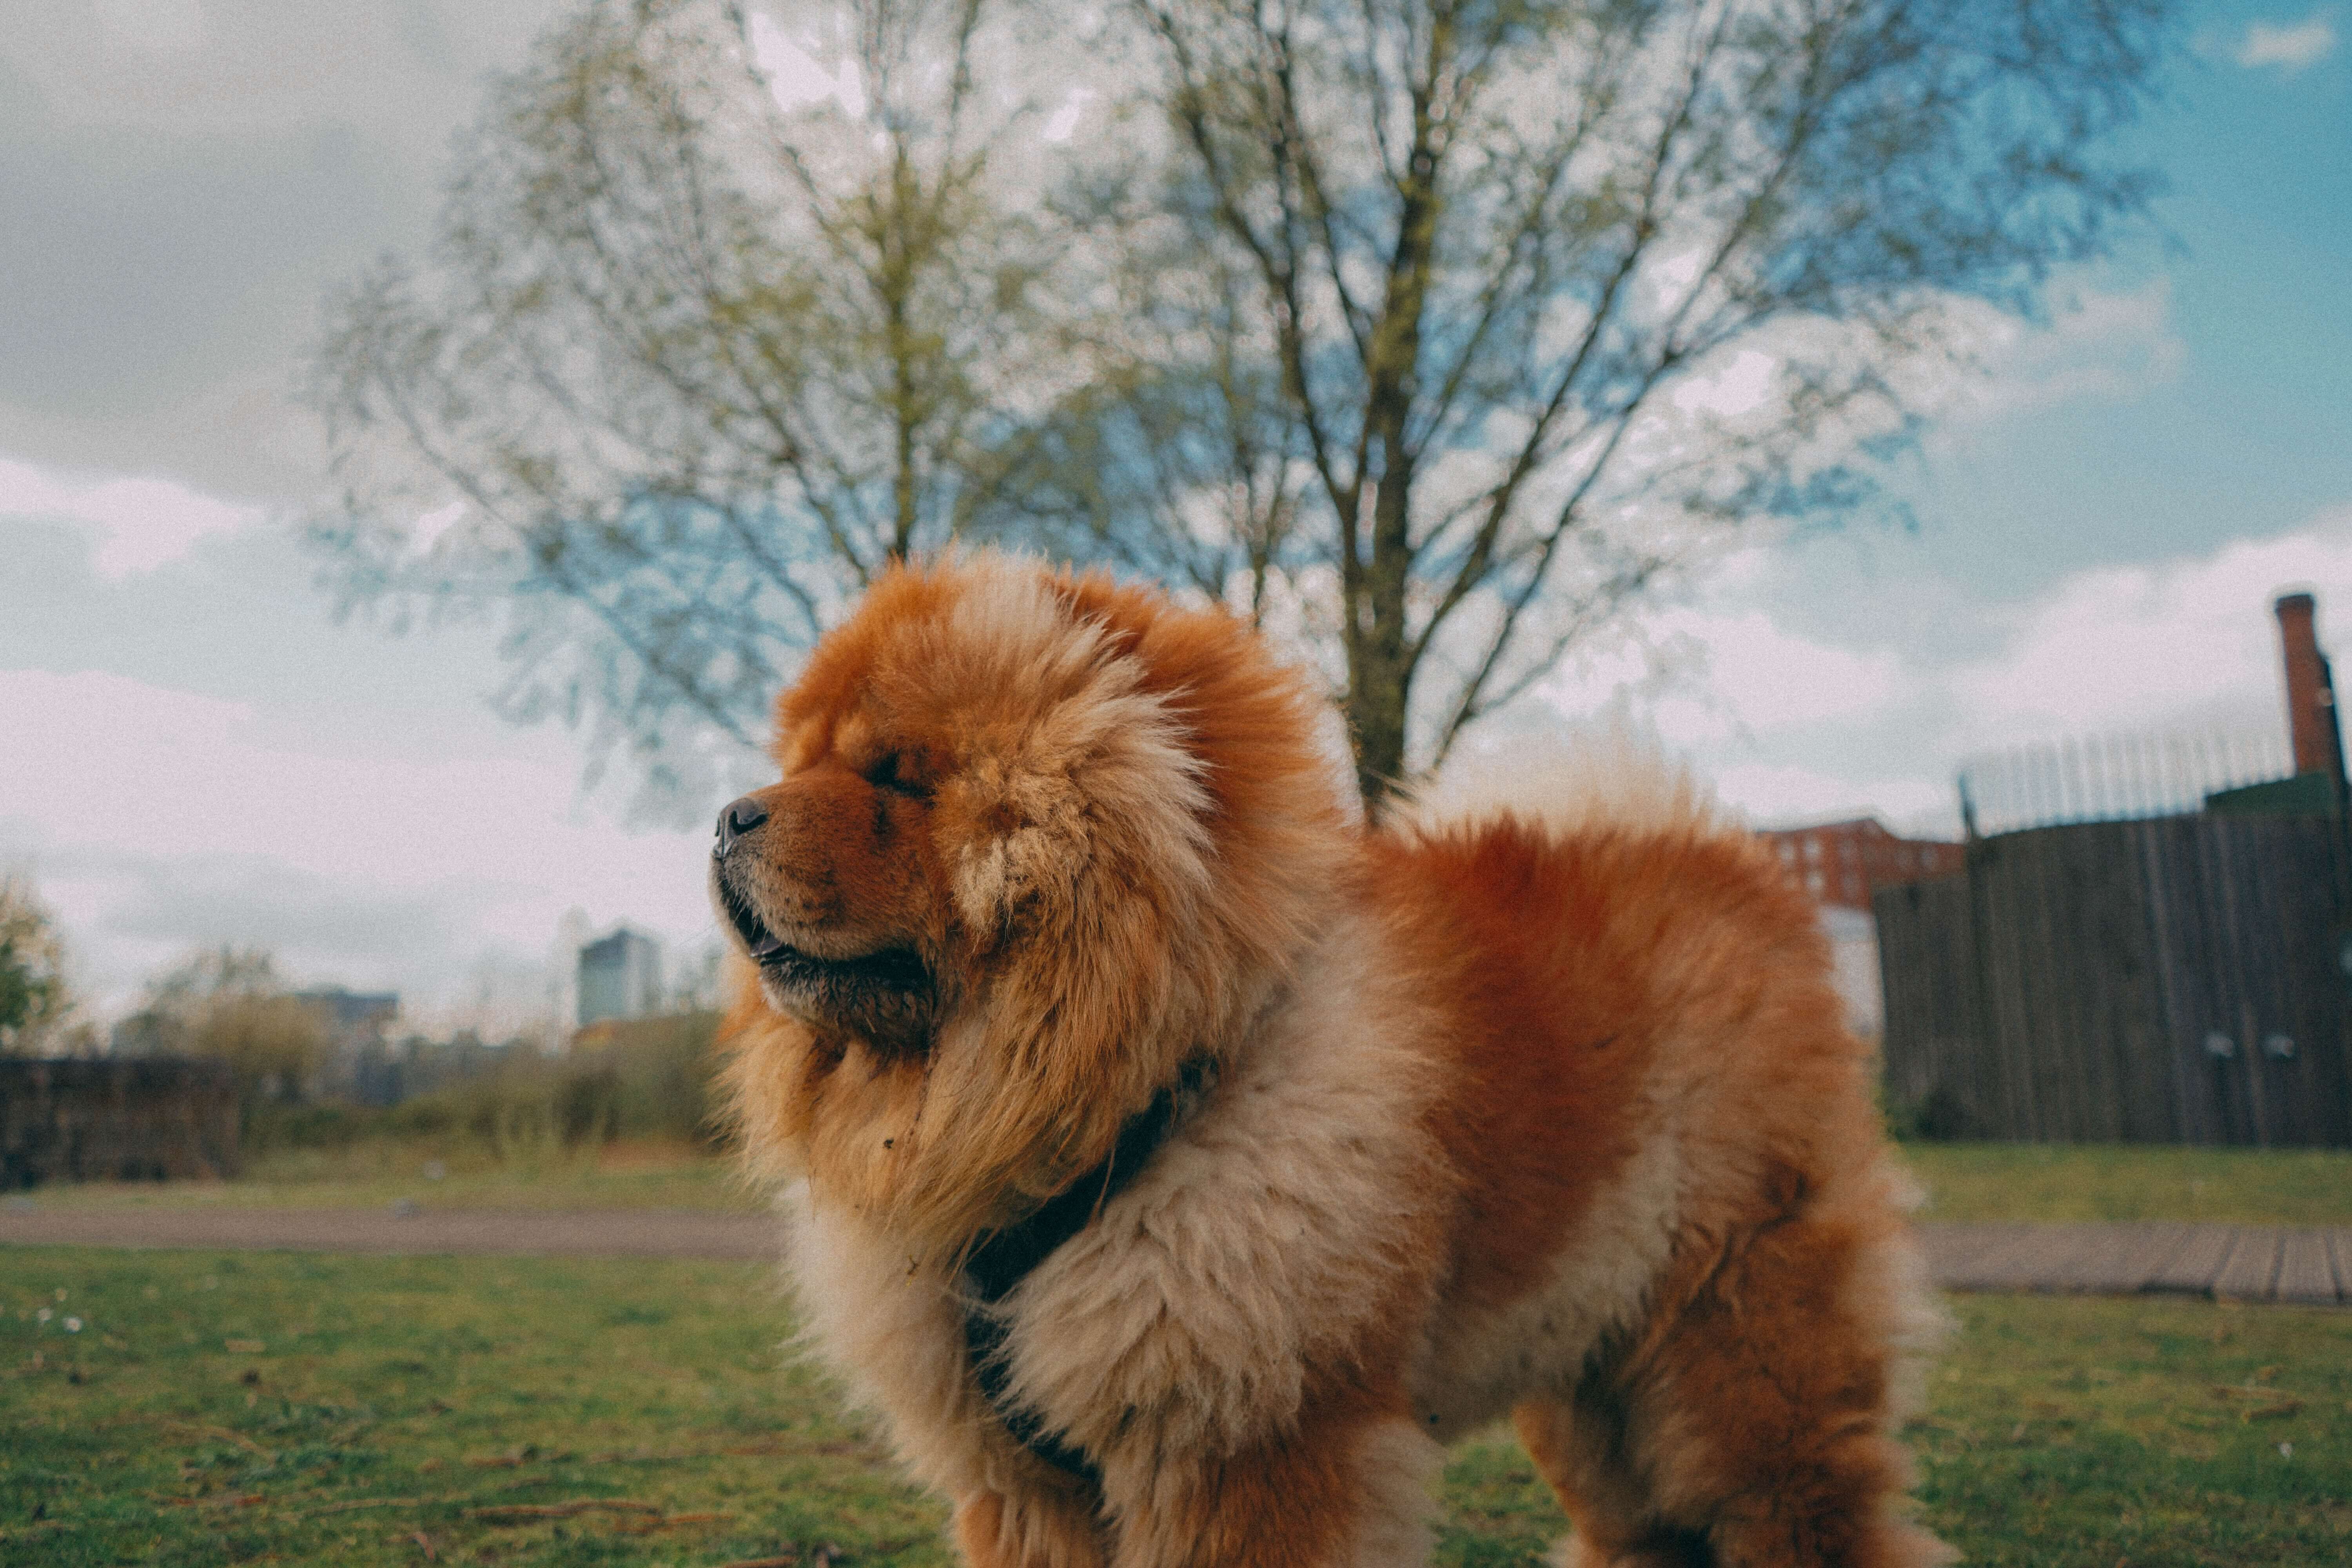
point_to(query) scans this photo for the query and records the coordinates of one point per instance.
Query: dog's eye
(890, 773)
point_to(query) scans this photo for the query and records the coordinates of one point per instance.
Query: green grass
(378, 1172)
(2132, 1181)
(2155, 1432)
(424, 1389)
(431, 1392)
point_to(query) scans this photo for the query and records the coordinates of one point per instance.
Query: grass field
(1965, 1182)
(197, 1409)
(2134, 1181)
(442, 1174)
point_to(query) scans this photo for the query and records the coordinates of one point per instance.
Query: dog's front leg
(1029, 1527)
(1347, 1487)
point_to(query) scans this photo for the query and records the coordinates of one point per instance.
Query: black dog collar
(1005, 1257)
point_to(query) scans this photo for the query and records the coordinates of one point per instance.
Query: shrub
(644, 1078)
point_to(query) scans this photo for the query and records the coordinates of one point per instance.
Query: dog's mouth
(899, 971)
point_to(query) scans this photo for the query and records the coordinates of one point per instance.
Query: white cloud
(1664, 283)
(2290, 48)
(159, 819)
(2097, 344)
(153, 23)
(1063, 121)
(2184, 642)
(1779, 794)
(1875, 717)
(1772, 678)
(430, 527)
(1732, 389)
(1980, 366)
(138, 523)
(795, 78)
(1705, 674)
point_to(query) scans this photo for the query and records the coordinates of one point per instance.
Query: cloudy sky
(193, 750)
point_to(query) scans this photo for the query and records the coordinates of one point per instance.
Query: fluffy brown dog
(1176, 1164)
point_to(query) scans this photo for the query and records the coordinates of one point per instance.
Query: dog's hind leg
(1579, 1447)
(1761, 1405)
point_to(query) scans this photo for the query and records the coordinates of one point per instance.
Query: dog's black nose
(738, 817)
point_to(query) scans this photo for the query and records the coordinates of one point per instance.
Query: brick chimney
(2310, 691)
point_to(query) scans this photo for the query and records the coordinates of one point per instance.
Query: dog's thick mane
(1147, 836)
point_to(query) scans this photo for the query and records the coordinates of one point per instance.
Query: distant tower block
(620, 977)
(2311, 719)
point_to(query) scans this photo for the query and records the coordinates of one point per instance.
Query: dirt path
(2252, 1263)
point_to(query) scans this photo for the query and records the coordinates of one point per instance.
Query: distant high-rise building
(620, 977)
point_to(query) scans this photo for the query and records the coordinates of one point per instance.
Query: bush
(272, 1125)
(1941, 1116)
(641, 1079)
(661, 1070)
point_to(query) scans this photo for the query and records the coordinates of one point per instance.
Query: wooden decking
(2232, 1262)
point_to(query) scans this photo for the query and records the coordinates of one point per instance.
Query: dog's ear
(1027, 849)
(1101, 788)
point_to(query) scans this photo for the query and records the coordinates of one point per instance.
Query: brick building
(1840, 864)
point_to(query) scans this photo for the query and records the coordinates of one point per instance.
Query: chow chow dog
(1177, 1164)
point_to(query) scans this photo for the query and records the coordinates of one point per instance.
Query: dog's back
(1672, 1173)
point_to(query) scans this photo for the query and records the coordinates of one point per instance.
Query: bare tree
(701, 345)
(1537, 292)
(1429, 332)
(1177, 456)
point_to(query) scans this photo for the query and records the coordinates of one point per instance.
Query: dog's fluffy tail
(1595, 777)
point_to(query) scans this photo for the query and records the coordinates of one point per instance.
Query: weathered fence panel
(1937, 1063)
(128, 1119)
(2172, 980)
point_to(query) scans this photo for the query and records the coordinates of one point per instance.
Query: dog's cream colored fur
(1259, 1241)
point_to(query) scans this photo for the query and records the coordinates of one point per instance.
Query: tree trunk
(1379, 674)
(1376, 693)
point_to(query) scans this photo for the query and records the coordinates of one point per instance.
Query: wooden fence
(2178, 980)
(138, 1119)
